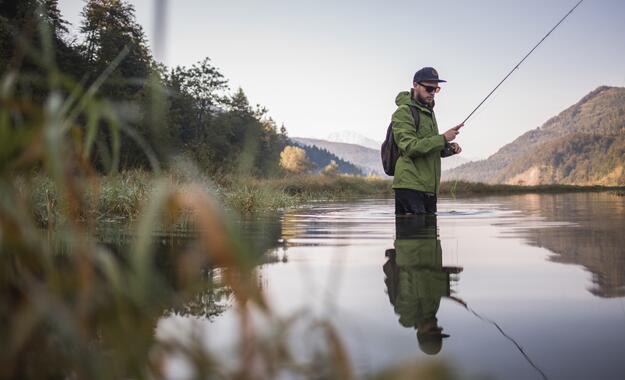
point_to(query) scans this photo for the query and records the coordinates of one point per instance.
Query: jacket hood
(403, 98)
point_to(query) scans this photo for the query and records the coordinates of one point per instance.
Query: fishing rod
(524, 58)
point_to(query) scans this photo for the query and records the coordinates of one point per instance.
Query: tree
(109, 26)
(200, 88)
(293, 159)
(239, 102)
(331, 170)
(21, 20)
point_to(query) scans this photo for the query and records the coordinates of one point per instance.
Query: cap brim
(430, 80)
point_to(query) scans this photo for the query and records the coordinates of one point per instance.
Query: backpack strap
(415, 115)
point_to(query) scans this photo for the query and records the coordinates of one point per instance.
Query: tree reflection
(176, 251)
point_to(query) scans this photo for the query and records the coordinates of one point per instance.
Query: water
(524, 287)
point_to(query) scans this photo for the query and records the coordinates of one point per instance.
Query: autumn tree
(293, 159)
(331, 169)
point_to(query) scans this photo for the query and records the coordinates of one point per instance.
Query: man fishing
(418, 168)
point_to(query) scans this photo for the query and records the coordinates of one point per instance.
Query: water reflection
(525, 316)
(416, 279)
(592, 238)
(177, 252)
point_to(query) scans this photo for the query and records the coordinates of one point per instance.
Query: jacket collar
(423, 107)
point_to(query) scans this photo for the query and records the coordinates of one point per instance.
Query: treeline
(160, 112)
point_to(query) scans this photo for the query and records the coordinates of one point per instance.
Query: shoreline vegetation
(121, 197)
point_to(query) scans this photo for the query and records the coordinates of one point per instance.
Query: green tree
(109, 26)
(197, 92)
(20, 28)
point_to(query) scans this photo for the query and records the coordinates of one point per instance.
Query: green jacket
(419, 164)
(421, 280)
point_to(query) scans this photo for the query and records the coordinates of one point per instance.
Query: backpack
(389, 150)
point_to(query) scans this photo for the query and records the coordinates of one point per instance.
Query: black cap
(427, 74)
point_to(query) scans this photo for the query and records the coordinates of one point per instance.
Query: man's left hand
(455, 148)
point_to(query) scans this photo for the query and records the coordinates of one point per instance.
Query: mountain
(351, 137)
(321, 157)
(366, 158)
(583, 145)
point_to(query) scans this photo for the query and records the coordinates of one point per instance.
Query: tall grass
(72, 308)
(476, 188)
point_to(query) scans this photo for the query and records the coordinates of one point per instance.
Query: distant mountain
(321, 157)
(366, 158)
(583, 145)
(351, 137)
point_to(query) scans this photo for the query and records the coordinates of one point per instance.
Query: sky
(326, 66)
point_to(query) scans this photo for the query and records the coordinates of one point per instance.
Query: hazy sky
(324, 66)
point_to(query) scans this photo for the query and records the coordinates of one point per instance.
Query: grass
(472, 188)
(121, 197)
(72, 308)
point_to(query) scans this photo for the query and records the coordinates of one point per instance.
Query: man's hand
(455, 148)
(451, 134)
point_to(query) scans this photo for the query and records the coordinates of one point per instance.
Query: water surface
(523, 287)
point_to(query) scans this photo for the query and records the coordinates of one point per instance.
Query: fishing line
(522, 60)
(518, 346)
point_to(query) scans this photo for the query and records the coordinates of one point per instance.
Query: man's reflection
(416, 278)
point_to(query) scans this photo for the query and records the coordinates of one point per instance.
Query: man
(418, 169)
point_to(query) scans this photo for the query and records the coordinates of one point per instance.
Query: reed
(71, 307)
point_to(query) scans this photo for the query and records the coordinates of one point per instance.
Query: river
(523, 287)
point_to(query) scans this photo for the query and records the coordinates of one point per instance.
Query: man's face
(425, 91)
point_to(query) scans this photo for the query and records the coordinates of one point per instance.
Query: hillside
(321, 157)
(583, 145)
(367, 159)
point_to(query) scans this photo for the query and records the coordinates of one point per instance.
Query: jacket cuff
(444, 142)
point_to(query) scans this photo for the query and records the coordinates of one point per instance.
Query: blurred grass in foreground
(72, 308)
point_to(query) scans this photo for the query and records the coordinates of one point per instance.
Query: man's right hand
(451, 134)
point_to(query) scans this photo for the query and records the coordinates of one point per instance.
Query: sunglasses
(430, 89)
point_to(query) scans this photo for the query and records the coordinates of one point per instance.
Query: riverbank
(121, 197)
(461, 188)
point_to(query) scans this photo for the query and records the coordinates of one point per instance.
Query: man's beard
(425, 101)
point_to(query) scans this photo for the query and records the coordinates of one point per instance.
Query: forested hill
(320, 158)
(583, 145)
(367, 159)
